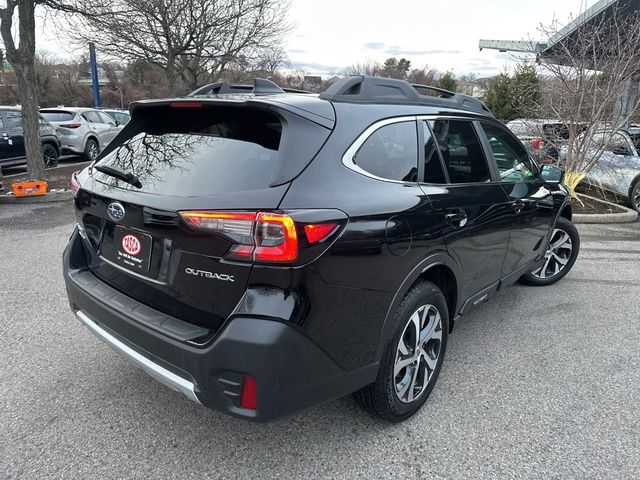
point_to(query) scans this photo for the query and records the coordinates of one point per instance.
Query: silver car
(618, 169)
(83, 131)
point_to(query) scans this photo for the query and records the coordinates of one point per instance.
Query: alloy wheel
(417, 353)
(557, 256)
(49, 156)
(635, 196)
(93, 151)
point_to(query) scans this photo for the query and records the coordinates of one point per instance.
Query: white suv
(83, 131)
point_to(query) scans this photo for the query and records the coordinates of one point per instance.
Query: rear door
(99, 127)
(111, 129)
(473, 208)
(532, 207)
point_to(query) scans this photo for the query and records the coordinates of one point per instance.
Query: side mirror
(552, 174)
(116, 123)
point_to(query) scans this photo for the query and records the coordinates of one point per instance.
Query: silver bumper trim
(170, 379)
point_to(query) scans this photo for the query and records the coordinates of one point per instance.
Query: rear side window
(461, 151)
(391, 152)
(200, 152)
(92, 117)
(58, 116)
(1, 123)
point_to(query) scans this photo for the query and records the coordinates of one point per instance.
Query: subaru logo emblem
(115, 210)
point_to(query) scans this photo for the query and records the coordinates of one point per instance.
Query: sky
(329, 35)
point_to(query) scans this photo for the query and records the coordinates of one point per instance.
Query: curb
(49, 197)
(629, 216)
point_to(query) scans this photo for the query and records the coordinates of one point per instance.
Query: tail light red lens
(318, 233)
(249, 393)
(75, 184)
(69, 125)
(260, 236)
(276, 238)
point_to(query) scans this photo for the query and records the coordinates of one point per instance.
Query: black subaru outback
(263, 251)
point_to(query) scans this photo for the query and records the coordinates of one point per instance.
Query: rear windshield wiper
(128, 177)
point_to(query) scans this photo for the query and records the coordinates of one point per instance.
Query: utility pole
(95, 82)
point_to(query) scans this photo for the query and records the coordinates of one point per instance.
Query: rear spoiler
(136, 124)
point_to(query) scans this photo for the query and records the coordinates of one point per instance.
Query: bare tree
(366, 67)
(588, 75)
(21, 57)
(197, 38)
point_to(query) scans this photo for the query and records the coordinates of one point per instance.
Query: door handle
(517, 205)
(457, 218)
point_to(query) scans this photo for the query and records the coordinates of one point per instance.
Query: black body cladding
(313, 327)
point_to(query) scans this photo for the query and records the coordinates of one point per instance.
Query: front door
(532, 207)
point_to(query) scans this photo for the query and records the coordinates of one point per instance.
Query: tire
(91, 150)
(49, 155)
(634, 195)
(566, 239)
(396, 394)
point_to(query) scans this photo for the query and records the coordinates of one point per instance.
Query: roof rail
(260, 87)
(366, 89)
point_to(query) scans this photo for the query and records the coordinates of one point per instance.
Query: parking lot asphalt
(537, 383)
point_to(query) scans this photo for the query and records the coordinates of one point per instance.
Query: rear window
(200, 152)
(58, 116)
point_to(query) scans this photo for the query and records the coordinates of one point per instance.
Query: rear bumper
(291, 371)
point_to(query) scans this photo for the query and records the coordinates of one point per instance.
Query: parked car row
(63, 130)
(617, 169)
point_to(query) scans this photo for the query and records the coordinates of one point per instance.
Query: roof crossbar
(260, 87)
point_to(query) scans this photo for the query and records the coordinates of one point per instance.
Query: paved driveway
(538, 383)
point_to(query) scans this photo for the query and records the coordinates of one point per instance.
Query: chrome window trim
(347, 158)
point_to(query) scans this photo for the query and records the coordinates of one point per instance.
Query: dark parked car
(12, 152)
(267, 251)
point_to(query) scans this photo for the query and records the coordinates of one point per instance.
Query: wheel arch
(93, 137)
(439, 269)
(566, 211)
(55, 146)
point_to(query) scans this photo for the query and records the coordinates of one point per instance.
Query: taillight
(259, 236)
(75, 184)
(70, 125)
(537, 143)
(276, 238)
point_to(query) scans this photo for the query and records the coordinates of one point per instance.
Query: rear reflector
(249, 393)
(317, 233)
